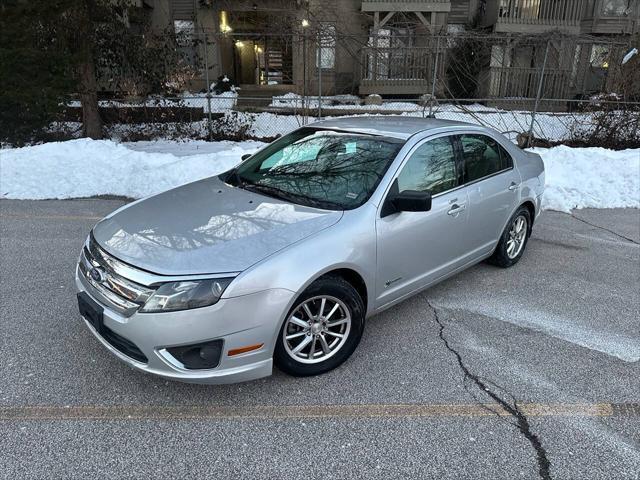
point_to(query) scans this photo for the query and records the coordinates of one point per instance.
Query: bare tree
(87, 83)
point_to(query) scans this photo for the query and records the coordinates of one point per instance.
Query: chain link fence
(584, 122)
(545, 89)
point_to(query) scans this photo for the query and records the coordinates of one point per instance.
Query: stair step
(261, 95)
(253, 102)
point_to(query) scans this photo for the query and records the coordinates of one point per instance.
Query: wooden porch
(397, 71)
(538, 16)
(406, 6)
(518, 82)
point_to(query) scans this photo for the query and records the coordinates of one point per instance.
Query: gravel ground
(530, 372)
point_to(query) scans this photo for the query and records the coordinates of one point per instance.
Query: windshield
(321, 168)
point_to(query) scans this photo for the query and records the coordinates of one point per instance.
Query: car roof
(389, 125)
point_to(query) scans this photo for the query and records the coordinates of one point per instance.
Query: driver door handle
(513, 186)
(455, 209)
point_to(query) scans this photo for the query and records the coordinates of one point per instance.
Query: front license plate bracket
(91, 311)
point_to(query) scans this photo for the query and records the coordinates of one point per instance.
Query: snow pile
(340, 102)
(292, 100)
(590, 178)
(84, 168)
(575, 177)
(220, 102)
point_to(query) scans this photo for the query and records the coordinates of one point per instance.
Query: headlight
(184, 295)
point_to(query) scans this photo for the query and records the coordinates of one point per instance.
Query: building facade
(477, 48)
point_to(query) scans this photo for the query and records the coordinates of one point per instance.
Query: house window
(599, 56)
(326, 51)
(185, 31)
(501, 56)
(615, 8)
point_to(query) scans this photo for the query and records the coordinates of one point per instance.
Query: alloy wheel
(317, 329)
(517, 236)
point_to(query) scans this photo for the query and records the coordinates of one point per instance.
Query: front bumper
(239, 321)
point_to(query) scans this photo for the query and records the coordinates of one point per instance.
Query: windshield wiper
(233, 178)
(292, 197)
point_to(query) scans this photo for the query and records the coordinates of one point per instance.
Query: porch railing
(540, 12)
(404, 63)
(519, 82)
(404, 5)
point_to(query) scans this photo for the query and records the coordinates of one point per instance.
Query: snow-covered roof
(389, 125)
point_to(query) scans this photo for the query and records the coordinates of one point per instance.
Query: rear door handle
(455, 209)
(513, 186)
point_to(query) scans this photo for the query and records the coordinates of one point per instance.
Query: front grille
(123, 345)
(119, 292)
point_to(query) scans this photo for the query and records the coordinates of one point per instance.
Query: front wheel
(322, 329)
(513, 240)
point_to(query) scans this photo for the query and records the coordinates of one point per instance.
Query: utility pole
(319, 74)
(433, 82)
(539, 94)
(206, 79)
(305, 103)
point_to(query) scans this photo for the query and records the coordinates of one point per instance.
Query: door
(492, 185)
(245, 62)
(416, 248)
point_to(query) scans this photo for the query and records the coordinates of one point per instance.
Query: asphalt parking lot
(531, 372)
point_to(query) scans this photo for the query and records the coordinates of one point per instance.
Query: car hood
(206, 227)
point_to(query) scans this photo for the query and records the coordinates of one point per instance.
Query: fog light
(199, 355)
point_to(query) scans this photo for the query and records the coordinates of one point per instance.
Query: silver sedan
(283, 258)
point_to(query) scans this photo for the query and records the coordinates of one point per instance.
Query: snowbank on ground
(340, 102)
(590, 178)
(575, 177)
(221, 102)
(84, 168)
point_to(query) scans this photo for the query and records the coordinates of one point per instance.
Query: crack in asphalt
(521, 421)
(619, 235)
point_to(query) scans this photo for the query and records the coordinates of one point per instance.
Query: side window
(481, 156)
(505, 157)
(432, 167)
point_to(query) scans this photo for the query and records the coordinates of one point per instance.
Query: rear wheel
(322, 329)
(513, 240)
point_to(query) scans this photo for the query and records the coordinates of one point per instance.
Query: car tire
(508, 253)
(322, 329)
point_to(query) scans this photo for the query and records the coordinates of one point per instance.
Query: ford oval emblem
(97, 275)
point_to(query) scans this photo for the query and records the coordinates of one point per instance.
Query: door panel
(490, 204)
(416, 248)
(492, 185)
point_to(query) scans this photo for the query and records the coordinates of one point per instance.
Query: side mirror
(407, 201)
(412, 201)
(245, 156)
